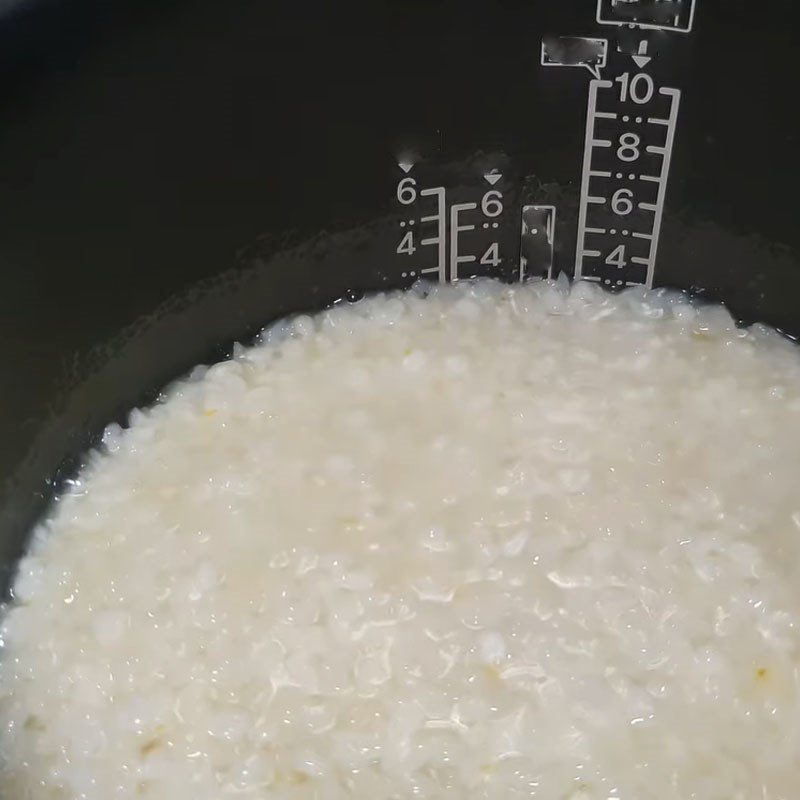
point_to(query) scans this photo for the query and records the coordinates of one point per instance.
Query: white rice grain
(468, 542)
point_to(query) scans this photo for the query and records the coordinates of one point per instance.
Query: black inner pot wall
(174, 175)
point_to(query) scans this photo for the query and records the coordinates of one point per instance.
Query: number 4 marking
(406, 246)
(617, 257)
(492, 255)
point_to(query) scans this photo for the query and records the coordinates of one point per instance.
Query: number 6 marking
(621, 202)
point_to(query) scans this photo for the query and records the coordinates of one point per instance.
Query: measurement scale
(474, 229)
(624, 180)
(445, 234)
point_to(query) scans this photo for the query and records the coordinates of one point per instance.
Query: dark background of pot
(175, 174)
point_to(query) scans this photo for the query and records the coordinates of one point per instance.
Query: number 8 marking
(628, 149)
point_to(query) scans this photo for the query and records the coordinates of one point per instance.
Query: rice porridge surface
(468, 542)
